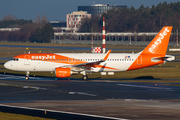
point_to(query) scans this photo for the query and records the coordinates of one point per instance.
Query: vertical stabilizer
(160, 42)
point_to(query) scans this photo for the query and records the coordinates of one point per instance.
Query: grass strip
(11, 116)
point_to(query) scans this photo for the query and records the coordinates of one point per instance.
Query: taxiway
(107, 98)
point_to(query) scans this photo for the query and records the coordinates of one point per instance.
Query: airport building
(58, 23)
(98, 9)
(74, 19)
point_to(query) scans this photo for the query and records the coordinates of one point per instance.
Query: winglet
(107, 55)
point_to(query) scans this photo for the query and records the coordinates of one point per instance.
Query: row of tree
(144, 19)
(13, 23)
(38, 31)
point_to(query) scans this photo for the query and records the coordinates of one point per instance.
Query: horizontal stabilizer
(167, 58)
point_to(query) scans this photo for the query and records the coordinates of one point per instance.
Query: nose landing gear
(27, 75)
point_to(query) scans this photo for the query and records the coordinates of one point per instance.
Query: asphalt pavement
(92, 97)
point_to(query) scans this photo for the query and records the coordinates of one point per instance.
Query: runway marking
(81, 93)
(26, 87)
(143, 86)
(17, 91)
(11, 77)
(73, 113)
(38, 88)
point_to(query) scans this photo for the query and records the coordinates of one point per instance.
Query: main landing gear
(85, 77)
(27, 75)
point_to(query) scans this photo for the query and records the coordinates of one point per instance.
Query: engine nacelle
(63, 72)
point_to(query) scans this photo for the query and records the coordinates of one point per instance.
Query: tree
(37, 36)
(47, 33)
(9, 17)
(42, 34)
(41, 21)
(27, 30)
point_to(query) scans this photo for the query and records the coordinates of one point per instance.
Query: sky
(57, 9)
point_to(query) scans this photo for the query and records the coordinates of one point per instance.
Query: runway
(109, 98)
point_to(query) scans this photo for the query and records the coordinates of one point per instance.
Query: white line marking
(64, 112)
(32, 87)
(143, 86)
(15, 77)
(81, 93)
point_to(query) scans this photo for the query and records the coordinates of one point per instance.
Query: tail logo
(159, 40)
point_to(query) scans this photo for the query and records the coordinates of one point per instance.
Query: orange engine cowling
(63, 72)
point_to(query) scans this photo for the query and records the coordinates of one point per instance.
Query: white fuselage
(115, 62)
(67, 64)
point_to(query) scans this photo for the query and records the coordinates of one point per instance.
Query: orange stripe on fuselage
(51, 57)
(156, 48)
(146, 62)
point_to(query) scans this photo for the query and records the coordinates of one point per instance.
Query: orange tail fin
(160, 42)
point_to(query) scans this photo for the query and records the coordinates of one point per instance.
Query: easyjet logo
(62, 72)
(159, 40)
(43, 57)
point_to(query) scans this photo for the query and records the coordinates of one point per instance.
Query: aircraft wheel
(27, 78)
(85, 77)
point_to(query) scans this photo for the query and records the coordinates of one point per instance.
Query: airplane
(67, 64)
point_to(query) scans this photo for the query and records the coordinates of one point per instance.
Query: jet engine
(64, 72)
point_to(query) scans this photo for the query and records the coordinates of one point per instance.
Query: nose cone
(7, 65)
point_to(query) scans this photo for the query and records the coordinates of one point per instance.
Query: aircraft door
(26, 60)
(139, 60)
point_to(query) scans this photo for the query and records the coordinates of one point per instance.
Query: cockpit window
(15, 59)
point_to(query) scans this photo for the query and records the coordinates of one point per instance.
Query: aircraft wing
(90, 64)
